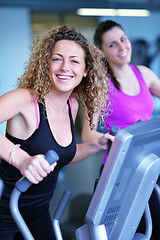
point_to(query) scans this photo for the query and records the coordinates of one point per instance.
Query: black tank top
(39, 142)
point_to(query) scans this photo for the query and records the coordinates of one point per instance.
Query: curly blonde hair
(92, 92)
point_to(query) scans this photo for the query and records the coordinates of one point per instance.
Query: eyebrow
(107, 44)
(124, 35)
(60, 55)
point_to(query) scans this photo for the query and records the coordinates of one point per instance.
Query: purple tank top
(126, 110)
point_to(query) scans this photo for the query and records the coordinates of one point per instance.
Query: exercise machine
(124, 188)
(21, 186)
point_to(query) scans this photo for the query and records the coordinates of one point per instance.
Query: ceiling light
(113, 12)
(133, 12)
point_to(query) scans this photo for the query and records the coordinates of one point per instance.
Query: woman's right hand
(36, 168)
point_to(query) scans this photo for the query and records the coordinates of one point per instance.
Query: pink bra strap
(36, 109)
(70, 102)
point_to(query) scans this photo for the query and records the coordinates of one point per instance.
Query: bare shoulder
(14, 101)
(143, 69)
(16, 95)
(20, 112)
(149, 76)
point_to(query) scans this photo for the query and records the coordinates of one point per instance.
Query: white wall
(15, 37)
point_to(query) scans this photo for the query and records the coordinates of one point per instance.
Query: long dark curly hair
(92, 92)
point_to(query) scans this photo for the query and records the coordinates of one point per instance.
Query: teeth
(64, 77)
(124, 54)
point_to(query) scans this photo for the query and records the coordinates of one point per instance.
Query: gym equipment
(21, 186)
(125, 185)
(59, 212)
(124, 188)
(113, 131)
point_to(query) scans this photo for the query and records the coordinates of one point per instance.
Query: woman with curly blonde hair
(92, 92)
(64, 68)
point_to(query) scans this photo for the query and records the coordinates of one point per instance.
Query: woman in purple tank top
(131, 87)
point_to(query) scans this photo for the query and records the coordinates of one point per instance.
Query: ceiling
(71, 6)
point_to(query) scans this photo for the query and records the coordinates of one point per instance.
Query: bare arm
(151, 79)
(14, 105)
(88, 133)
(10, 105)
(89, 148)
(93, 141)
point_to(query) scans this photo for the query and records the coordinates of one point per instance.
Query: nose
(121, 46)
(64, 66)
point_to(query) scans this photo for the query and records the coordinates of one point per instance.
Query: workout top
(126, 110)
(39, 142)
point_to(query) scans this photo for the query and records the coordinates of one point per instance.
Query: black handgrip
(113, 131)
(23, 184)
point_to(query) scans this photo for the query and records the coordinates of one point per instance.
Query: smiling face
(116, 47)
(67, 65)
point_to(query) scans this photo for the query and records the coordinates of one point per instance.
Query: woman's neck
(56, 100)
(121, 71)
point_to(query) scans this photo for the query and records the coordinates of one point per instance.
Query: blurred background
(22, 20)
